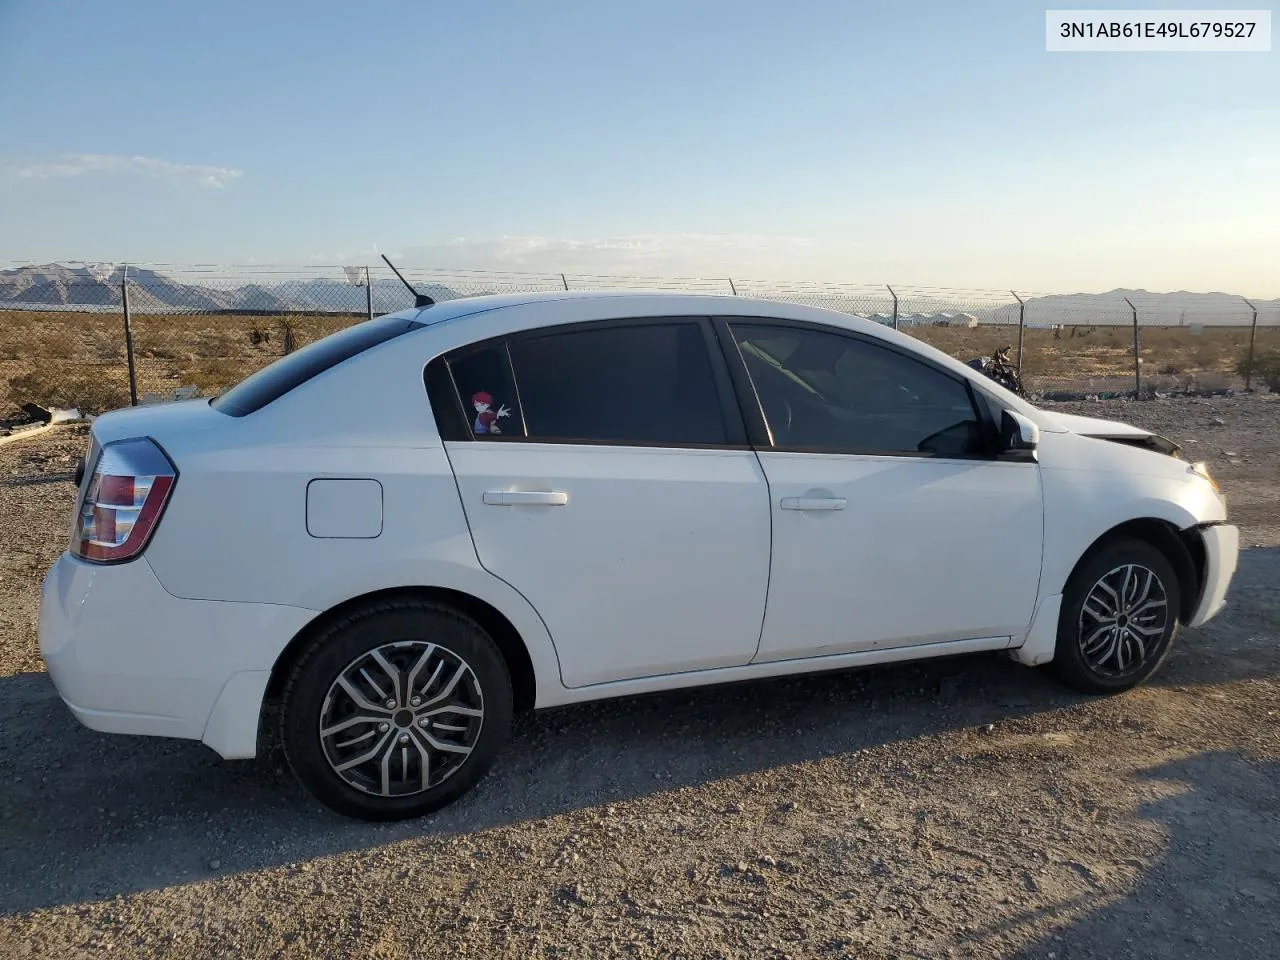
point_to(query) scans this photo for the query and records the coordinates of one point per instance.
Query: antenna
(419, 299)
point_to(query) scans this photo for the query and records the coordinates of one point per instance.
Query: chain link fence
(98, 337)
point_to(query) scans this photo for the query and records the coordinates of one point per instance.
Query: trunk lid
(159, 421)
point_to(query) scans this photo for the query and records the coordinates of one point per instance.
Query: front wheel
(396, 710)
(1119, 618)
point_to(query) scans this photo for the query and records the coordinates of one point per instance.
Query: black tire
(1080, 646)
(404, 631)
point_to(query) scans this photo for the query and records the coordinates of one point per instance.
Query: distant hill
(1180, 308)
(388, 295)
(62, 286)
(90, 287)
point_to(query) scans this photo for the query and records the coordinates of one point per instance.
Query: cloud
(80, 164)
(636, 255)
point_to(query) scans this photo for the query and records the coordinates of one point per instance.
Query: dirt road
(966, 808)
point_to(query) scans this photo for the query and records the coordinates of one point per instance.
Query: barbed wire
(205, 326)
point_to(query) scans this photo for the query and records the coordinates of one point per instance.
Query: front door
(892, 523)
(606, 480)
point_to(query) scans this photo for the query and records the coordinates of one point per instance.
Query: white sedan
(406, 531)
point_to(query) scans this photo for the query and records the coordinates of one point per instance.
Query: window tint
(643, 383)
(831, 392)
(488, 398)
(294, 369)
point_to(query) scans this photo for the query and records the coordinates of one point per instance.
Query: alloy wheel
(1123, 620)
(401, 718)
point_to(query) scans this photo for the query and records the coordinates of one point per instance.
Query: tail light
(127, 493)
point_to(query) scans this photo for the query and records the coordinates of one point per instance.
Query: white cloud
(633, 255)
(80, 164)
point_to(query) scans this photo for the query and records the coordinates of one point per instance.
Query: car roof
(617, 303)
(466, 306)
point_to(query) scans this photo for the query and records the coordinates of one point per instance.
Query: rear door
(605, 474)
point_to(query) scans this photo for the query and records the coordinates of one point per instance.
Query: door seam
(768, 582)
(466, 518)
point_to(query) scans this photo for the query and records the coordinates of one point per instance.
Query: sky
(911, 142)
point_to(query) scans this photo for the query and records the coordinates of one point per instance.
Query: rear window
(274, 381)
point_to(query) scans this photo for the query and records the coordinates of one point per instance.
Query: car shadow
(36, 479)
(87, 816)
(1212, 892)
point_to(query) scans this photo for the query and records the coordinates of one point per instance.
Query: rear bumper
(1221, 551)
(128, 657)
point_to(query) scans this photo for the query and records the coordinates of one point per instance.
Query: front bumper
(1221, 551)
(128, 657)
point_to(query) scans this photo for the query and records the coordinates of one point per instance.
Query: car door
(893, 523)
(605, 474)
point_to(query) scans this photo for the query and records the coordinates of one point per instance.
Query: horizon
(274, 289)
(922, 145)
(219, 274)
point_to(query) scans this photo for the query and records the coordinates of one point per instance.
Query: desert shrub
(89, 392)
(216, 344)
(1210, 354)
(158, 352)
(1266, 368)
(107, 347)
(56, 343)
(1170, 368)
(212, 374)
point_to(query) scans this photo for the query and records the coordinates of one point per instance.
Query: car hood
(1094, 427)
(1118, 432)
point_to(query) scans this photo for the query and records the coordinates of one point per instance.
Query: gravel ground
(966, 808)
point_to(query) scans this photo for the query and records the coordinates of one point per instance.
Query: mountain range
(91, 287)
(94, 287)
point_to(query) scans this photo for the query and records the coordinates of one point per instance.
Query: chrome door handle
(526, 498)
(813, 503)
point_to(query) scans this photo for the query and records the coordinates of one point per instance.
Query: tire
(418, 757)
(1093, 657)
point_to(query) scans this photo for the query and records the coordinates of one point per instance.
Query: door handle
(813, 503)
(526, 498)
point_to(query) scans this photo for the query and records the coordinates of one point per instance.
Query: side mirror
(1017, 433)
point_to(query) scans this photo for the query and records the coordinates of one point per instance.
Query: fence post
(1253, 333)
(564, 281)
(1137, 355)
(128, 336)
(895, 306)
(1022, 309)
(732, 287)
(368, 292)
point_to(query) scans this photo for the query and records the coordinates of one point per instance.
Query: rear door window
(644, 383)
(647, 383)
(483, 379)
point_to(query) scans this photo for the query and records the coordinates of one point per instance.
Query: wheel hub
(401, 718)
(1123, 620)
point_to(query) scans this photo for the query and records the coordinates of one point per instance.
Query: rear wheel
(396, 710)
(1119, 618)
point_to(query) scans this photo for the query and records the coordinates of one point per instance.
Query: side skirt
(777, 668)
